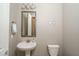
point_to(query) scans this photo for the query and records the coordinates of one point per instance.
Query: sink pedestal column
(27, 53)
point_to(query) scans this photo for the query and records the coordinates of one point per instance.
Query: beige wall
(13, 40)
(49, 27)
(71, 29)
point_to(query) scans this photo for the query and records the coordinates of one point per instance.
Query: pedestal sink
(26, 46)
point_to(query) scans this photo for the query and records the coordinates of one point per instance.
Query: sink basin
(26, 46)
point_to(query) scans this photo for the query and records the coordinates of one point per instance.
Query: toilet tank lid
(53, 46)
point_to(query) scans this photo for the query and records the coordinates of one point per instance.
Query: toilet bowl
(53, 50)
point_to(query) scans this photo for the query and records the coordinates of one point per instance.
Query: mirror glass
(28, 23)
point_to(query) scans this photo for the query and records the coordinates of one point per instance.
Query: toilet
(53, 50)
(3, 52)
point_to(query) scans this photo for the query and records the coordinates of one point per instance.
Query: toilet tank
(53, 50)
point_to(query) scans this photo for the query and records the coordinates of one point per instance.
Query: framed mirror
(28, 23)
